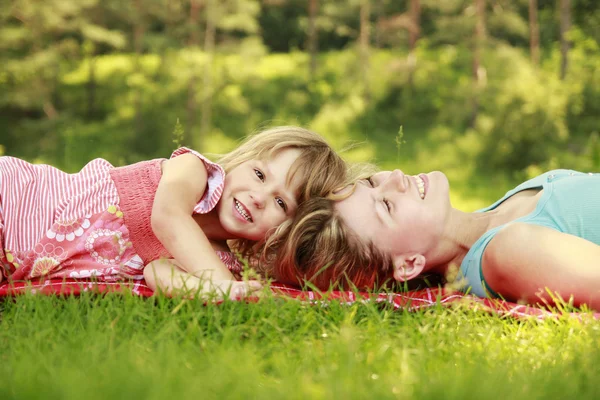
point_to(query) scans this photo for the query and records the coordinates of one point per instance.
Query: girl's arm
(183, 182)
(523, 260)
(166, 276)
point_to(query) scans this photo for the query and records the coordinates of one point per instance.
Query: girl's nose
(258, 199)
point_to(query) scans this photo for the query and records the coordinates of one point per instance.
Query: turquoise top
(570, 203)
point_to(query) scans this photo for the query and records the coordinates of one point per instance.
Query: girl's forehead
(287, 160)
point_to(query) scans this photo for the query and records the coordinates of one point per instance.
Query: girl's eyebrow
(289, 200)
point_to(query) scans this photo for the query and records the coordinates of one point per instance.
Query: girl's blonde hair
(320, 168)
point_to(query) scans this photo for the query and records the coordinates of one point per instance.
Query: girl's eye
(387, 204)
(370, 180)
(281, 203)
(260, 175)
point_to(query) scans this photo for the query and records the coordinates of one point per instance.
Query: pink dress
(95, 223)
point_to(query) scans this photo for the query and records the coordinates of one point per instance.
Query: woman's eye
(260, 175)
(281, 203)
(387, 204)
(370, 180)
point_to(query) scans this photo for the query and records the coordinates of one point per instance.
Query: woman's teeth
(420, 186)
(243, 212)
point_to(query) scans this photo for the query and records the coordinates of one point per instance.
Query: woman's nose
(395, 180)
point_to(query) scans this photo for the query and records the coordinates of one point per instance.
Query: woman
(538, 241)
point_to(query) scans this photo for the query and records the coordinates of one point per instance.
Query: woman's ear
(408, 267)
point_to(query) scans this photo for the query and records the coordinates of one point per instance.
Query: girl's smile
(241, 211)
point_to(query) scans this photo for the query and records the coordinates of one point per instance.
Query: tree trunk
(365, 29)
(478, 70)
(534, 33)
(313, 36)
(207, 84)
(138, 43)
(415, 16)
(91, 87)
(565, 44)
(413, 36)
(191, 100)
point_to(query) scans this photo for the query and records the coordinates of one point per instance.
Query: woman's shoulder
(550, 176)
(537, 182)
(507, 240)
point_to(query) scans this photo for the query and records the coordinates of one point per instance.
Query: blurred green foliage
(111, 79)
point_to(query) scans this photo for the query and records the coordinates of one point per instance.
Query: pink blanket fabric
(411, 301)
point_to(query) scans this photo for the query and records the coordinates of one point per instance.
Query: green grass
(120, 346)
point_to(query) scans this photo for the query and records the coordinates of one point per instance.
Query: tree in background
(565, 43)
(534, 33)
(40, 41)
(110, 78)
(365, 44)
(479, 72)
(313, 36)
(413, 36)
(193, 43)
(139, 31)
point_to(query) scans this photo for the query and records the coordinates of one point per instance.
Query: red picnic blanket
(411, 300)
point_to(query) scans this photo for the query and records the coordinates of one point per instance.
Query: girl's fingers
(254, 285)
(238, 292)
(241, 290)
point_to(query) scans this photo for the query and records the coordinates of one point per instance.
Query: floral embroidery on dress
(106, 246)
(11, 262)
(107, 240)
(48, 258)
(69, 230)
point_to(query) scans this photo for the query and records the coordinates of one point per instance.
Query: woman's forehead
(356, 210)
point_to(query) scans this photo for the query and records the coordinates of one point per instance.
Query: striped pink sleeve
(215, 181)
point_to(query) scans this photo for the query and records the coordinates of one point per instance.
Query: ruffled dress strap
(215, 181)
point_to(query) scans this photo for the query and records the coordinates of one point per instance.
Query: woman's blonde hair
(320, 168)
(321, 249)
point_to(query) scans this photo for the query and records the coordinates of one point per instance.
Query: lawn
(122, 346)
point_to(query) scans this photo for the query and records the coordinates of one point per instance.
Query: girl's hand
(165, 276)
(234, 290)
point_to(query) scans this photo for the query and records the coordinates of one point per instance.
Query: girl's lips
(238, 214)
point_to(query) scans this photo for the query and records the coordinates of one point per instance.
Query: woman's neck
(464, 229)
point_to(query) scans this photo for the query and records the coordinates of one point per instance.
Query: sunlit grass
(123, 346)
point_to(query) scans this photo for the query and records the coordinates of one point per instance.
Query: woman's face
(399, 214)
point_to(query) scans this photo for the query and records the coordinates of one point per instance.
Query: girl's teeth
(242, 211)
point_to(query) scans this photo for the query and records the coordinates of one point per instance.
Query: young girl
(538, 242)
(109, 223)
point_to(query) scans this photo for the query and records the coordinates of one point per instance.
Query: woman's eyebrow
(375, 209)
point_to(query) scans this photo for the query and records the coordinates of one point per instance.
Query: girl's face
(257, 197)
(399, 214)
